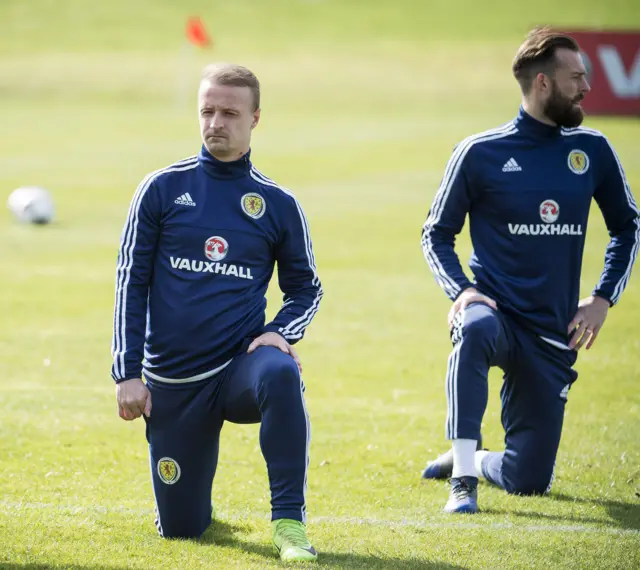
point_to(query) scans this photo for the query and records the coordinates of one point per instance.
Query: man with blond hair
(527, 187)
(197, 252)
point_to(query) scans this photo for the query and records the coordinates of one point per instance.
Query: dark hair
(538, 54)
(234, 76)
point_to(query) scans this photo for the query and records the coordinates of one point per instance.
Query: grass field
(362, 103)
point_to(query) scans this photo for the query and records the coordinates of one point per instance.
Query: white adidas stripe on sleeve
(295, 329)
(125, 262)
(439, 203)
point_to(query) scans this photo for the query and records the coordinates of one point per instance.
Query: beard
(563, 111)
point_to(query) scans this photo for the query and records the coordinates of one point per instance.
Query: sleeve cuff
(119, 380)
(463, 288)
(603, 296)
(272, 328)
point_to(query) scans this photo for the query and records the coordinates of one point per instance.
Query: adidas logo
(185, 200)
(511, 166)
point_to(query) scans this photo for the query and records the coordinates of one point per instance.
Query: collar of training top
(527, 124)
(226, 170)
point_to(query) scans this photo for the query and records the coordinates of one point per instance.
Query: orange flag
(197, 33)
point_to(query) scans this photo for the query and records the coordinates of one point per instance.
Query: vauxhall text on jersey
(197, 253)
(527, 188)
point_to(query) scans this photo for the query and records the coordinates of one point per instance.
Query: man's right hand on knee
(134, 399)
(465, 299)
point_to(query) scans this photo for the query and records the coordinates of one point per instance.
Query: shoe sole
(298, 559)
(294, 557)
(466, 510)
(434, 469)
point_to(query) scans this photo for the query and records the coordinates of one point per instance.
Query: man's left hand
(274, 339)
(588, 321)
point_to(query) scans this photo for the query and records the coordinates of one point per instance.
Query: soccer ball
(31, 204)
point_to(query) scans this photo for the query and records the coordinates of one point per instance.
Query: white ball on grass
(32, 204)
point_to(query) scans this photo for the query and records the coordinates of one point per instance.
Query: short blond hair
(235, 76)
(538, 54)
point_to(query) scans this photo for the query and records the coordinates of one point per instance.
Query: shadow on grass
(225, 534)
(625, 515)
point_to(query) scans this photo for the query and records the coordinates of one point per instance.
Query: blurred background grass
(362, 104)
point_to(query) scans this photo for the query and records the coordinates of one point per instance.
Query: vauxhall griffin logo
(549, 211)
(216, 248)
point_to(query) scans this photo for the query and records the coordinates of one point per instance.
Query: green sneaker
(291, 542)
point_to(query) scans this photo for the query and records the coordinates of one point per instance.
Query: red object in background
(197, 33)
(613, 67)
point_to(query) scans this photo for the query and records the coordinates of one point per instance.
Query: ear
(256, 119)
(542, 82)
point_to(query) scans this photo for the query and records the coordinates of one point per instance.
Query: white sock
(480, 455)
(463, 455)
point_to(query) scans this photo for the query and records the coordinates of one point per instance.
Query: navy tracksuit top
(527, 188)
(197, 252)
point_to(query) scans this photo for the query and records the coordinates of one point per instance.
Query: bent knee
(529, 485)
(280, 372)
(185, 531)
(279, 364)
(184, 524)
(479, 329)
